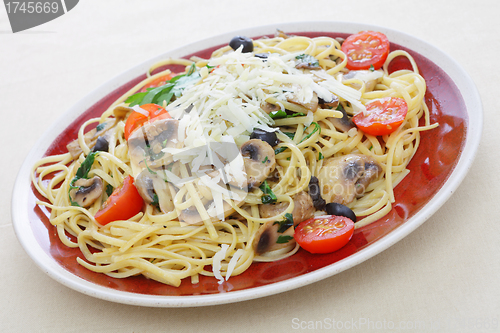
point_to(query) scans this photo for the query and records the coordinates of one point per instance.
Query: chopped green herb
(279, 114)
(155, 201)
(320, 156)
(291, 135)
(147, 166)
(148, 152)
(307, 60)
(109, 189)
(268, 196)
(372, 68)
(265, 160)
(282, 239)
(280, 150)
(286, 223)
(316, 128)
(166, 92)
(82, 172)
(100, 127)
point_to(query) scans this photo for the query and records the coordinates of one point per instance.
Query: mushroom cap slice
(303, 208)
(146, 144)
(343, 124)
(266, 238)
(370, 78)
(87, 191)
(339, 176)
(259, 160)
(149, 184)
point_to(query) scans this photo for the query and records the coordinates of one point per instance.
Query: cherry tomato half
(137, 119)
(324, 234)
(383, 116)
(365, 49)
(122, 204)
(160, 81)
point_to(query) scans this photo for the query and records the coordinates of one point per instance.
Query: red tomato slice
(137, 119)
(122, 204)
(365, 49)
(160, 81)
(383, 116)
(324, 234)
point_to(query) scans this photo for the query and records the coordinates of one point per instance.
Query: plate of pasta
(247, 164)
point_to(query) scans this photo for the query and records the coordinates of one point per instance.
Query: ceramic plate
(442, 161)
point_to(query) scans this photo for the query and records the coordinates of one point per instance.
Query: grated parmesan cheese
(217, 262)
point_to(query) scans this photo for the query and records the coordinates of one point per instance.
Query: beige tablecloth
(443, 277)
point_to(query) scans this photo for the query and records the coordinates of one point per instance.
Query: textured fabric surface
(443, 277)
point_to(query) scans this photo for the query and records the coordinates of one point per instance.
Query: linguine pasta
(201, 224)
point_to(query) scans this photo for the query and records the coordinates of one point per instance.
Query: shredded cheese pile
(227, 100)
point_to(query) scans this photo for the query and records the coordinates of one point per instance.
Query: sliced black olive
(238, 41)
(101, 144)
(340, 210)
(269, 137)
(263, 56)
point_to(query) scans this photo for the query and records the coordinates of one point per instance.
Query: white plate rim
(20, 194)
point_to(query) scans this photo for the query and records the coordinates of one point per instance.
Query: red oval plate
(441, 162)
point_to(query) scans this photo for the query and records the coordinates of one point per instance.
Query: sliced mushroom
(120, 112)
(312, 105)
(101, 144)
(87, 191)
(332, 102)
(151, 185)
(370, 78)
(149, 140)
(157, 135)
(268, 107)
(192, 216)
(90, 138)
(372, 171)
(339, 176)
(343, 124)
(259, 161)
(303, 208)
(306, 61)
(267, 236)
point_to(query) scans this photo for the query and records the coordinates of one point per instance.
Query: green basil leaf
(282, 239)
(165, 93)
(135, 99)
(286, 223)
(277, 114)
(268, 196)
(82, 172)
(109, 189)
